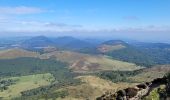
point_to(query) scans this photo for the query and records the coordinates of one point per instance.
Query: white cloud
(20, 10)
(148, 28)
(50, 24)
(34, 26)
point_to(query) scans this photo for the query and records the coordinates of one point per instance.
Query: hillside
(28, 66)
(91, 88)
(148, 80)
(149, 74)
(80, 62)
(157, 89)
(111, 45)
(71, 43)
(120, 50)
(146, 54)
(137, 76)
(38, 42)
(16, 53)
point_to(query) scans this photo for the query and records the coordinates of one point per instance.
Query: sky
(144, 20)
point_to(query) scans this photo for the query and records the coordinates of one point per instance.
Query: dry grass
(83, 62)
(106, 48)
(92, 87)
(151, 73)
(15, 53)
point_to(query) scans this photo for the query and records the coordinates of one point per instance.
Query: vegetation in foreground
(160, 93)
(23, 83)
(28, 83)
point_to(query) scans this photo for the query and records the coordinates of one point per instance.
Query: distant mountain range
(72, 43)
(155, 45)
(39, 41)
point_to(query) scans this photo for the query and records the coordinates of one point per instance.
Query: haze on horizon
(145, 20)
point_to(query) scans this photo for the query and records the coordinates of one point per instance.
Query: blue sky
(132, 19)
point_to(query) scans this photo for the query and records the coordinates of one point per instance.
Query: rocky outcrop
(135, 93)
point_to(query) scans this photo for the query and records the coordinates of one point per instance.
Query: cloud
(34, 26)
(161, 28)
(60, 25)
(10, 27)
(20, 10)
(140, 34)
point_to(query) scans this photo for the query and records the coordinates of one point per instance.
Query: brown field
(106, 48)
(92, 87)
(16, 53)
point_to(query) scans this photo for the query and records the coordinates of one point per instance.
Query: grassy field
(83, 62)
(109, 64)
(26, 83)
(151, 73)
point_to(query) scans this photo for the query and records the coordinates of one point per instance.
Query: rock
(137, 92)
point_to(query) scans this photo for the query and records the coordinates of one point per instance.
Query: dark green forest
(144, 57)
(27, 66)
(117, 76)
